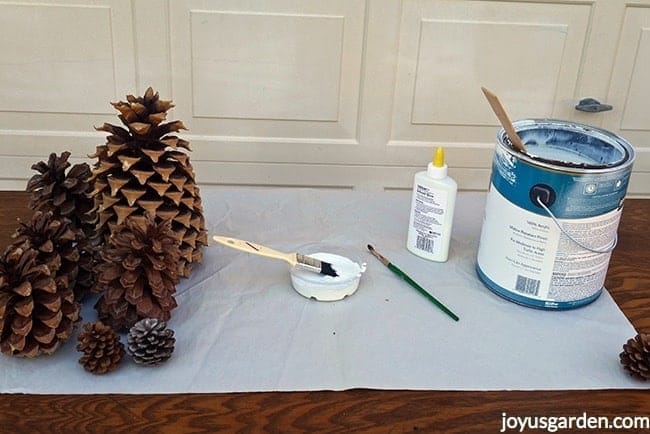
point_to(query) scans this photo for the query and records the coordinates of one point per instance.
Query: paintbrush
(503, 117)
(411, 282)
(295, 259)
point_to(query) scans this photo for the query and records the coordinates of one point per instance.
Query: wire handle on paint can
(569, 236)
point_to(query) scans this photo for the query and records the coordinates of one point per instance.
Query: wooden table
(628, 281)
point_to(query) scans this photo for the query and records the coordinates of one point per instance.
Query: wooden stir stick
(498, 110)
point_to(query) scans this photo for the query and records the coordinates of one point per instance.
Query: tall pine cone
(635, 357)
(144, 168)
(37, 309)
(68, 195)
(101, 346)
(139, 273)
(150, 342)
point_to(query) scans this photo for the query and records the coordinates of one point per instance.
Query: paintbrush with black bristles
(295, 259)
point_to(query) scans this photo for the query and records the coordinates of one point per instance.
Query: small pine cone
(150, 342)
(635, 357)
(101, 346)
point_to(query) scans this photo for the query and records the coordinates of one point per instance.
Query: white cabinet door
(333, 94)
(629, 90)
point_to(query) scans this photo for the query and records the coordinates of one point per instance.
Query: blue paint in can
(552, 213)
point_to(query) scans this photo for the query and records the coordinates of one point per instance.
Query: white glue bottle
(432, 211)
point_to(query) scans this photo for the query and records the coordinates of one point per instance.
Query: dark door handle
(591, 105)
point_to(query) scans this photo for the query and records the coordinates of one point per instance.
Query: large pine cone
(139, 273)
(142, 169)
(101, 346)
(37, 310)
(150, 342)
(635, 357)
(68, 195)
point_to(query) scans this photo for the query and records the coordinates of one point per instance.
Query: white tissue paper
(241, 327)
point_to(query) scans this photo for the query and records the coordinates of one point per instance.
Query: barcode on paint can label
(424, 243)
(526, 285)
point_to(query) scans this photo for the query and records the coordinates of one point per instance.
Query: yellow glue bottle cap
(437, 169)
(439, 157)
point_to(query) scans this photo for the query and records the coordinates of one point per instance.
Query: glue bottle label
(427, 219)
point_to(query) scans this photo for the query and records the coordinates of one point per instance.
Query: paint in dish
(328, 288)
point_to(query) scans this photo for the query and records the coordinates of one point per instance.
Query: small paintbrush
(411, 282)
(295, 259)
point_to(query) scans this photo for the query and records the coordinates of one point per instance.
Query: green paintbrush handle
(421, 290)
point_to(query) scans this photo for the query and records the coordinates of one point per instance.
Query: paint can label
(528, 259)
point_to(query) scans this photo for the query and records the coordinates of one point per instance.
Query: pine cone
(635, 357)
(139, 272)
(150, 342)
(68, 195)
(56, 241)
(37, 309)
(142, 169)
(64, 194)
(101, 346)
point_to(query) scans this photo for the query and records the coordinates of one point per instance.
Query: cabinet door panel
(268, 81)
(63, 62)
(528, 53)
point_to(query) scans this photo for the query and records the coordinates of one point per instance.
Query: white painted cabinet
(337, 93)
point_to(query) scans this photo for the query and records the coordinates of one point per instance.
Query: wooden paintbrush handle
(255, 249)
(501, 114)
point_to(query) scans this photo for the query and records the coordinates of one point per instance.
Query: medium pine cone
(144, 168)
(139, 273)
(37, 309)
(62, 247)
(635, 357)
(68, 195)
(150, 342)
(101, 346)
(56, 241)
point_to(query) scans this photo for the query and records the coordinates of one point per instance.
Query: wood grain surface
(357, 410)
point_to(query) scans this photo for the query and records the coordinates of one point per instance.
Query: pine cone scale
(24, 289)
(21, 326)
(46, 285)
(23, 307)
(51, 302)
(51, 319)
(44, 335)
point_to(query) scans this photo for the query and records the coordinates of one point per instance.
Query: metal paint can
(552, 213)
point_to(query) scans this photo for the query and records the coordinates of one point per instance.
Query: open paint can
(552, 213)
